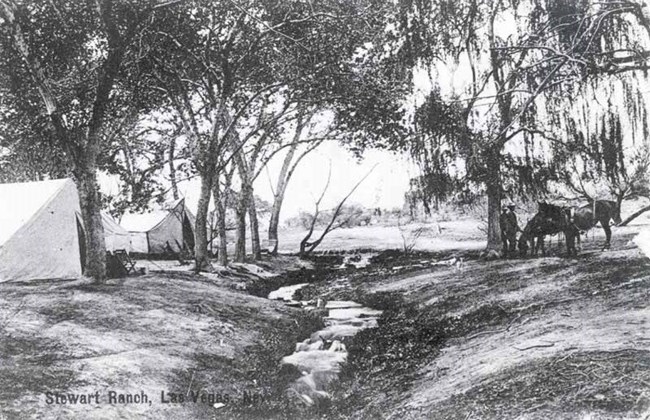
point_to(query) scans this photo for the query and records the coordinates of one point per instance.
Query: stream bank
(338, 371)
(321, 375)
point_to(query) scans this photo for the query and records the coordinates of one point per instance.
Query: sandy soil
(435, 236)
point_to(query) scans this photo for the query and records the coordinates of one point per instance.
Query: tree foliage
(69, 67)
(506, 73)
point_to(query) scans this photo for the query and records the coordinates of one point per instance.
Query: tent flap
(162, 231)
(116, 236)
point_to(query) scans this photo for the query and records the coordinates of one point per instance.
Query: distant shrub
(350, 216)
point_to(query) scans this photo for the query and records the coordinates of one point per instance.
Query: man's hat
(511, 206)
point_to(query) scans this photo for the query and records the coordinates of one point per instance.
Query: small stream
(320, 356)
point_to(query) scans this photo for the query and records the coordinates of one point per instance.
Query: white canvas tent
(162, 231)
(116, 236)
(41, 233)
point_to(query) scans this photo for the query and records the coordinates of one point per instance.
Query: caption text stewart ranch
(164, 397)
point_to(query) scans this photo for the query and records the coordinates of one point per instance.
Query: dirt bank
(536, 338)
(165, 336)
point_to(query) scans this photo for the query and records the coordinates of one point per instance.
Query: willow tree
(523, 61)
(609, 157)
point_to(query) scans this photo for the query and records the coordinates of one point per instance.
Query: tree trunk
(246, 203)
(283, 180)
(202, 262)
(255, 228)
(634, 215)
(240, 215)
(278, 198)
(273, 224)
(172, 168)
(493, 190)
(90, 204)
(302, 253)
(220, 213)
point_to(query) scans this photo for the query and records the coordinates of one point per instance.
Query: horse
(587, 216)
(573, 221)
(552, 219)
(532, 235)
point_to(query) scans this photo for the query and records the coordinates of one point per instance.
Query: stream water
(319, 358)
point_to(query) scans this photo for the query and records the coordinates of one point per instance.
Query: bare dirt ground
(173, 333)
(436, 236)
(537, 338)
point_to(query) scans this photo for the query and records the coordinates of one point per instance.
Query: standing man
(509, 228)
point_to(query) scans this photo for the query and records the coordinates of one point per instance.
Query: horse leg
(579, 238)
(512, 244)
(608, 233)
(533, 246)
(540, 244)
(570, 244)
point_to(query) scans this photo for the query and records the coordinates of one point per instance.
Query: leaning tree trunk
(281, 188)
(288, 167)
(493, 190)
(90, 203)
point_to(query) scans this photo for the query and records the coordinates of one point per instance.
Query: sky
(384, 187)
